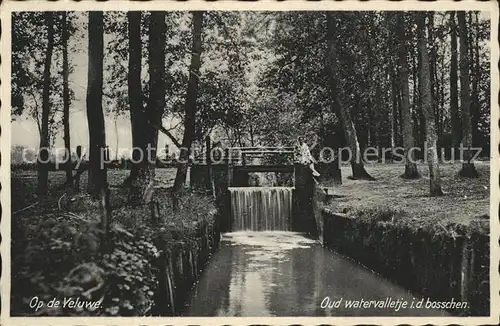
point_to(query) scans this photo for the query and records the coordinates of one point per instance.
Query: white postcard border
(119, 5)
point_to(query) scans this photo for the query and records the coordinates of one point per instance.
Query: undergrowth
(57, 253)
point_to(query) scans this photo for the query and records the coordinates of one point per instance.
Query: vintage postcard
(236, 163)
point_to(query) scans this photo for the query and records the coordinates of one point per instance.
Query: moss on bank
(400, 218)
(439, 262)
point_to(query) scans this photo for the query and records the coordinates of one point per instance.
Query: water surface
(286, 274)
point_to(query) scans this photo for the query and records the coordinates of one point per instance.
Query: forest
(369, 79)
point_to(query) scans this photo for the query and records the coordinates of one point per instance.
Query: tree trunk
(394, 108)
(95, 116)
(440, 99)
(97, 134)
(433, 75)
(79, 156)
(411, 171)
(456, 131)
(421, 131)
(67, 142)
(190, 105)
(416, 101)
(135, 93)
(375, 113)
(468, 168)
(358, 169)
(377, 135)
(117, 137)
(475, 114)
(399, 141)
(155, 106)
(252, 143)
(431, 136)
(145, 122)
(43, 173)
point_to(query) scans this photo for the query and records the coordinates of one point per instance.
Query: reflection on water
(287, 274)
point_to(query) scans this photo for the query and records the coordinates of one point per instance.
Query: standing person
(303, 155)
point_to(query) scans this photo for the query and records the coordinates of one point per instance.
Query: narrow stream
(279, 273)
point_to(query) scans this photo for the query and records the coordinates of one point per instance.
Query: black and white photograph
(177, 160)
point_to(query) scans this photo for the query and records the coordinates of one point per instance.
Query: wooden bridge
(264, 168)
(243, 164)
(238, 162)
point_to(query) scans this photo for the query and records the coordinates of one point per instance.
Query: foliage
(131, 279)
(46, 247)
(367, 68)
(57, 252)
(223, 84)
(115, 85)
(29, 43)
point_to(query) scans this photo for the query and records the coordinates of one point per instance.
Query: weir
(261, 208)
(242, 207)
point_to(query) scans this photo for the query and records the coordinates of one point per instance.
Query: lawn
(464, 200)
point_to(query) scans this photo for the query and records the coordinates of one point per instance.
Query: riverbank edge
(181, 265)
(436, 266)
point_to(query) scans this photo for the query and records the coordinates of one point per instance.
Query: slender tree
(155, 104)
(358, 169)
(431, 39)
(475, 105)
(135, 91)
(468, 168)
(98, 184)
(66, 101)
(431, 136)
(145, 121)
(416, 96)
(394, 100)
(43, 173)
(190, 104)
(456, 133)
(411, 171)
(95, 116)
(441, 98)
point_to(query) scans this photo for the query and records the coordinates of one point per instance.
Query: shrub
(60, 256)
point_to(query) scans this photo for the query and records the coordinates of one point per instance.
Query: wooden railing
(239, 155)
(260, 152)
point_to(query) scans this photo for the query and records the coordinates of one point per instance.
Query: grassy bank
(56, 247)
(466, 203)
(437, 247)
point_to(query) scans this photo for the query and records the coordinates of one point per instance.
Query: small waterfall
(261, 208)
